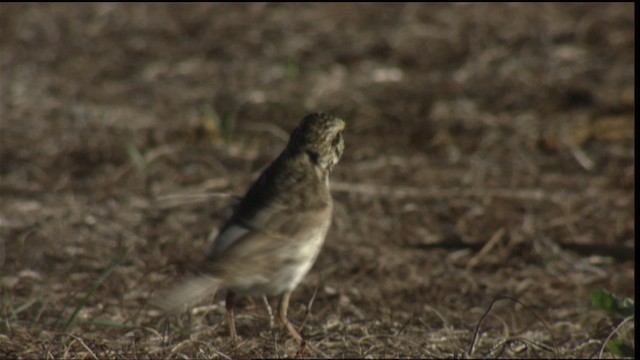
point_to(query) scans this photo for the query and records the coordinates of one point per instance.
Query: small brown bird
(275, 234)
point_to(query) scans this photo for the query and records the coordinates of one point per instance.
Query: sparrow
(275, 233)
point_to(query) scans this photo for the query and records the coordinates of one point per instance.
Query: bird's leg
(265, 300)
(231, 316)
(166, 331)
(266, 304)
(282, 314)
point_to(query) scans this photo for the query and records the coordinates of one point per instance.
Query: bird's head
(319, 135)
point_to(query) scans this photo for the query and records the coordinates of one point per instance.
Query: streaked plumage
(274, 235)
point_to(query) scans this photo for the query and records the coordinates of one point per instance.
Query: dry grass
(487, 186)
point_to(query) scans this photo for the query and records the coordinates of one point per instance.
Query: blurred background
(489, 151)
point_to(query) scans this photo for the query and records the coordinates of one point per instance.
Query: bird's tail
(186, 294)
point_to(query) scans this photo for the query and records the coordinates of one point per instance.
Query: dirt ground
(489, 156)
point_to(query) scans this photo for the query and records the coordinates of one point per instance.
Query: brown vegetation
(490, 153)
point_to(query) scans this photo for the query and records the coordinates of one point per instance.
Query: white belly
(311, 250)
(285, 277)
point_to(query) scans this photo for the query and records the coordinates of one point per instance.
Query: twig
(405, 325)
(503, 343)
(447, 326)
(79, 339)
(604, 344)
(581, 157)
(497, 236)
(475, 333)
(318, 351)
(308, 312)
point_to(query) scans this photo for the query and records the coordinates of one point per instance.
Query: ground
(489, 168)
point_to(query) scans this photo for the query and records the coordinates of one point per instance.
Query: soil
(489, 170)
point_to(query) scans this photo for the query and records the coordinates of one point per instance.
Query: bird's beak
(341, 124)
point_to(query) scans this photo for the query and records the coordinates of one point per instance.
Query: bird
(274, 235)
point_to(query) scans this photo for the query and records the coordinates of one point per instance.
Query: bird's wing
(227, 236)
(273, 223)
(287, 241)
(285, 202)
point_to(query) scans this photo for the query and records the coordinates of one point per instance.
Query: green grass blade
(93, 289)
(136, 158)
(619, 348)
(23, 307)
(611, 303)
